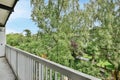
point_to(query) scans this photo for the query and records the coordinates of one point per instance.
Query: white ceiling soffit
(6, 8)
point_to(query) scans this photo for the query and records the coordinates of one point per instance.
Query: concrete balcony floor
(5, 70)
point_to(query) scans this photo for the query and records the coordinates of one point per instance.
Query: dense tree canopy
(69, 34)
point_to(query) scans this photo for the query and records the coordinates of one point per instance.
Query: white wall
(2, 41)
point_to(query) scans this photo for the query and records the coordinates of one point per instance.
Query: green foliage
(28, 33)
(66, 32)
(15, 39)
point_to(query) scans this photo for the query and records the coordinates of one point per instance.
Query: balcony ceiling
(6, 8)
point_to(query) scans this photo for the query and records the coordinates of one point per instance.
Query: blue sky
(20, 19)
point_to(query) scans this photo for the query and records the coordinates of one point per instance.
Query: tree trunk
(116, 73)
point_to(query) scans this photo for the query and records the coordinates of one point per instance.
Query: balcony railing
(27, 66)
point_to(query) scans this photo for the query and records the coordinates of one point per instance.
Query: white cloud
(22, 10)
(10, 31)
(20, 14)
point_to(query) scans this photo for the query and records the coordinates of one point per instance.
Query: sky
(20, 19)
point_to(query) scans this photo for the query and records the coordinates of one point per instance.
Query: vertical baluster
(22, 63)
(25, 64)
(35, 70)
(50, 74)
(10, 57)
(17, 64)
(26, 68)
(13, 60)
(40, 70)
(32, 69)
(11, 51)
(21, 67)
(6, 55)
(7, 51)
(37, 74)
(56, 75)
(46, 73)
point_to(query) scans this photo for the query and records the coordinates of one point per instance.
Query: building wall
(2, 41)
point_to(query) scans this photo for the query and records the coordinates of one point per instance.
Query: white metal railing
(27, 66)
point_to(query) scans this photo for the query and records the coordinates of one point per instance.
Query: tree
(106, 35)
(53, 18)
(67, 32)
(27, 32)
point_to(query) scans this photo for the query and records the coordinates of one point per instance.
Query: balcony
(26, 66)
(16, 64)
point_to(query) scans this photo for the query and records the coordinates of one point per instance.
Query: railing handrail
(73, 74)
